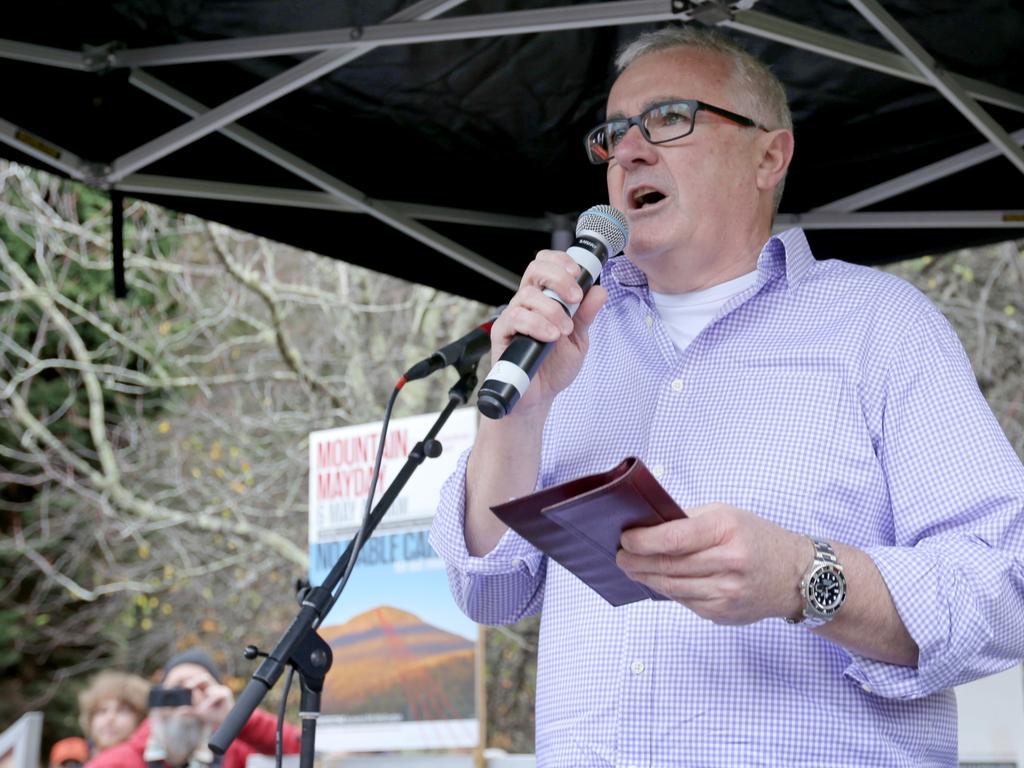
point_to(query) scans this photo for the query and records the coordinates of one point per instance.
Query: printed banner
(404, 670)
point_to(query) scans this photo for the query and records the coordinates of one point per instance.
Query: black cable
(357, 543)
(279, 735)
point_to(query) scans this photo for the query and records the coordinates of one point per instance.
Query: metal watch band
(823, 551)
(824, 556)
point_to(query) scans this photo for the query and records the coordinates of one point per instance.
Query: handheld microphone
(469, 349)
(601, 232)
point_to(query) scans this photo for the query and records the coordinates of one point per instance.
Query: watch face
(827, 589)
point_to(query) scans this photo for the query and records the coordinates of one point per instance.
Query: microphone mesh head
(607, 223)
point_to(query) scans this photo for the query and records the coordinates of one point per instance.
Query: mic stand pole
(300, 646)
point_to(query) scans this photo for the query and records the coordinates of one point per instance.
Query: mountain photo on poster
(391, 665)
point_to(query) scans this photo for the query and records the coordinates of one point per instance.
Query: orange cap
(72, 748)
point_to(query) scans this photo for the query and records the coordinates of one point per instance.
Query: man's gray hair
(758, 93)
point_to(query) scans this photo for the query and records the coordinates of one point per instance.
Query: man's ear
(775, 153)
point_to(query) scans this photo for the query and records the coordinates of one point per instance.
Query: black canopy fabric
(466, 129)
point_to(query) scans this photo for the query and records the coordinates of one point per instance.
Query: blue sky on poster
(418, 584)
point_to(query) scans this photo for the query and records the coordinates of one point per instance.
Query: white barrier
(21, 741)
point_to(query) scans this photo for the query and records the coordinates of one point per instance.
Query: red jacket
(258, 735)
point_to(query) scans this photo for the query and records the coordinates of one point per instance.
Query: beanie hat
(192, 656)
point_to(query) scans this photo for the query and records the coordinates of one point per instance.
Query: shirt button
(677, 385)
(649, 320)
(658, 470)
(637, 667)
(866, 688)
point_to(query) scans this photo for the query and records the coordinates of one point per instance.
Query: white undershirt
(686, 314)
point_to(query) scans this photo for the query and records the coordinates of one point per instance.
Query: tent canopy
(442, 141)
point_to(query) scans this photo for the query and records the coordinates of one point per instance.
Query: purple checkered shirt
(834, 400)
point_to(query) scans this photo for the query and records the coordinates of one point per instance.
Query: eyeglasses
(663, 122)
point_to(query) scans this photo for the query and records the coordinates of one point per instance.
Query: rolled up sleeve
(960, 600)
(956, 568)
(503, 586)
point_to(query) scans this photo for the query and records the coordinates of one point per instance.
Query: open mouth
(643, 197)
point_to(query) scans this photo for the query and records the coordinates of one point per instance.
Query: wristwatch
(823, 587)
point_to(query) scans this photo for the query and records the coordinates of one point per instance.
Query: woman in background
(111, 708)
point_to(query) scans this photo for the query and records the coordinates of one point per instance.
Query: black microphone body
(601, 233)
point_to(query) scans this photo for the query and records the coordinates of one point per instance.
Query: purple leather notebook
(579, 524)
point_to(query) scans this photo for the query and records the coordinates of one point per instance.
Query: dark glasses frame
(595, 149)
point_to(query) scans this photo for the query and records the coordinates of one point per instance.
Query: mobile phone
(169, 697)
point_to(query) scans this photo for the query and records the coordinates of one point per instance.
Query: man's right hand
(506, 454)
(534, 314)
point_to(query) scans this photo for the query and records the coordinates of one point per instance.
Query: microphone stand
(300, 646)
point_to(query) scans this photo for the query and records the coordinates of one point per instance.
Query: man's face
(693, 203)
(183, 729)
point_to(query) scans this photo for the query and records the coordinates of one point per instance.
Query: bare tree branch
(156, 449)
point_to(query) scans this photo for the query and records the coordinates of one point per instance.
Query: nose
(635, 149)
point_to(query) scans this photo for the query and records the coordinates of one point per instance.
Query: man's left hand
(725, 564)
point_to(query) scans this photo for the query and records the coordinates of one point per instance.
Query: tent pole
(42, 54)
(914, 179)
(1008, 220)
(415, 31)
(117, 242)
(561, 228)
(148, 184)
(337, 188)
(859, 54)
(948, 86)
(246, 103)
(46, 152)
(546, 20)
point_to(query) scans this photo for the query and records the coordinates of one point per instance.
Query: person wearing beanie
(177, 736)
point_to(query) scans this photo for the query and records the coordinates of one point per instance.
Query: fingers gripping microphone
(601, 232)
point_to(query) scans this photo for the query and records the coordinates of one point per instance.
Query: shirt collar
(787, 253)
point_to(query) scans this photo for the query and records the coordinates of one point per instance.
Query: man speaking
(855, 530)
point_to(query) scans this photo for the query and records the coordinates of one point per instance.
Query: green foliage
(27, 677)
(89, 203)
(10, 624)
